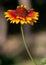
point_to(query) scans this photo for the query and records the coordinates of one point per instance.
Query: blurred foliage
(10, 60)
(17, 60)
(4, 60)
(43, 61)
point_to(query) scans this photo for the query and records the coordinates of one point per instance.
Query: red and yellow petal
(33, 16)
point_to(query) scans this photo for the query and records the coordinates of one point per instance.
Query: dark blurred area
(11, 4)
(40, 6)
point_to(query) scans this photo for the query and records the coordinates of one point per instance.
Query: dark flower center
(21, 12)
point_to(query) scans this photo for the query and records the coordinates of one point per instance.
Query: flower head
(22, 15)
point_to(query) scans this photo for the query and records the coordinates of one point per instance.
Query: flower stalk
(24, 41)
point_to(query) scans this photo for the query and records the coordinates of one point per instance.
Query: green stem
(27, 47)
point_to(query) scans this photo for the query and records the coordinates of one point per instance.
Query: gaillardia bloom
(22, 15)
